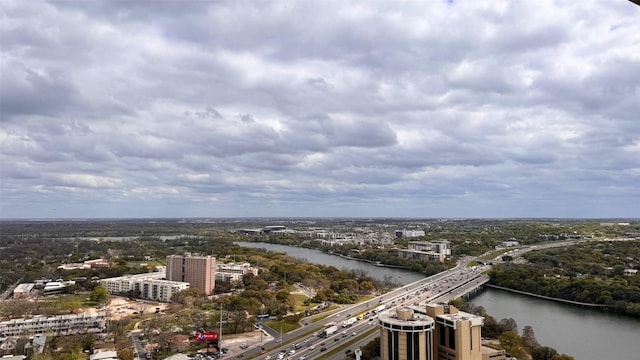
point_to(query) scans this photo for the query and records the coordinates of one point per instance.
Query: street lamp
(261, 318)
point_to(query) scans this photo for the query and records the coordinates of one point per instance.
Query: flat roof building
(149, 285)
(457, 335)
(231, 272)
(433, 332)
(405, 335)
(199, 271)
(22, 290)
(427, 250)
(58, 325)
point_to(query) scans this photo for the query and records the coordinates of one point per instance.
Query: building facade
(232, 272)
(57, 325)
(433, 332)
(405, 335)
(199, 271)
(427, 250)
(457, 334)
(409, 233)
(150, 286)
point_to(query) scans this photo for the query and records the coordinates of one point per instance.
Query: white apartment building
(427, 250)
(232, 272)
(58, 325)
(150, 285)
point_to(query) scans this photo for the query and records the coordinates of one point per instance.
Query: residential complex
(57, 325)
(427, 250)
(199, 271)
(433, 332)
(149, 285)
(231, 272)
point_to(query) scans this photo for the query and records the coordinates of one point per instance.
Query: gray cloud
(304, 108)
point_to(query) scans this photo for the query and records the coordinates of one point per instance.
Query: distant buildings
(434, 332)
(231, 272)
(89, 264)
(409, 233)
(508, 243)
(199, 271)
(57, 325)
(427, 250)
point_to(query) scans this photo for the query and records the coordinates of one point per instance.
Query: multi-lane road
(306, 344)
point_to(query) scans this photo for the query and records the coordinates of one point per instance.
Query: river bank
(400, 276)
(584, 333)
(569, 302)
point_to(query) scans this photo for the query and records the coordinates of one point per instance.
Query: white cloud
(438, 108)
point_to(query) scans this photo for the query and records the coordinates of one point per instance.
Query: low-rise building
(22, 291)
(231, 272)
(409, 233)
(427, 250)
(150, 286)
(57, 325)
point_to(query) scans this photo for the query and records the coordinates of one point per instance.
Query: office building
(199, 271)
(427, 250)
(405, 335)
(457, 334)
(232, 272)
(433, 332)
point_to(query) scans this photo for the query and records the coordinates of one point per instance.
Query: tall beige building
(198, 271)
(437, 332)
(405, 335)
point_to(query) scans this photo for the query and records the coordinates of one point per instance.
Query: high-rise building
(457, 333)
(199, 271)
(405, 335)
(434, 332)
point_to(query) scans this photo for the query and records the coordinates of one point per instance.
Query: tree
(189, 296)
(529, 338)
(100, 295)
(509, 325)
(126, 354)
(543, 353)
(562, 357)
(372, 349)
(512, 343)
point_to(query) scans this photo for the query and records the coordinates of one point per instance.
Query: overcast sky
(318, 108)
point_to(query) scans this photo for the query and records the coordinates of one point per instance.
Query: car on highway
(323, 348)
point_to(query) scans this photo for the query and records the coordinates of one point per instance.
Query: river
(400, 276)
(582, 333)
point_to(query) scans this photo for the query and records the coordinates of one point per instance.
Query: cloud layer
(306, 108)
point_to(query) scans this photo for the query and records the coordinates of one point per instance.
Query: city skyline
(436, 109)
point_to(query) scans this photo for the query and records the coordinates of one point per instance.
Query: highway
(440, 287)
